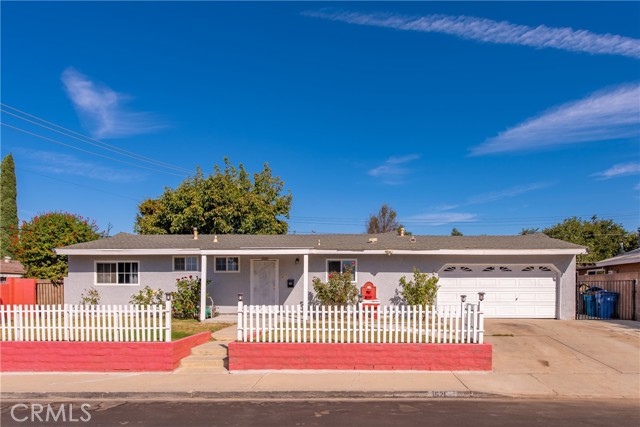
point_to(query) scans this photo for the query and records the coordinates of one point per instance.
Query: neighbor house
(10, 268)
(628, 262)
(530, 276)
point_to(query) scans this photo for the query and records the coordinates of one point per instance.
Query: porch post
(203, 287)
(305, 284)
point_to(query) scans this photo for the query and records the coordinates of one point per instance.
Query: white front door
(516, 291)
(264, 280)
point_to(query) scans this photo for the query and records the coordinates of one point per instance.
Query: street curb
(248, 395)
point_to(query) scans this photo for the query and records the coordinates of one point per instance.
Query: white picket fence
(360, 324)
(133, 323)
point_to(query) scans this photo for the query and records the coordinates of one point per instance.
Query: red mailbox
(370, 299)
(369, 291)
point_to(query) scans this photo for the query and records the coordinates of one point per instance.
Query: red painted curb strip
(313, 356)
(64, 356)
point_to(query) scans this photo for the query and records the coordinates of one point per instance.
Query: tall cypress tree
(8, 205)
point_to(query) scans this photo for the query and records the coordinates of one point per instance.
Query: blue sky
(488, 117)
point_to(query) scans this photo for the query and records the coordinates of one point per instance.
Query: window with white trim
(185, 263)
(342, 265)
(227, 264)
(117, 273)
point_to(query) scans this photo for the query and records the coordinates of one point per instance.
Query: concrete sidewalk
(532, 358)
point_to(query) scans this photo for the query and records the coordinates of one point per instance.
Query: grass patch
(181, 328)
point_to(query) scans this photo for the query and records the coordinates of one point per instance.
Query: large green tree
(383, 221)
(229, 201)
(38, 238)
(603, 237)
(8, 206)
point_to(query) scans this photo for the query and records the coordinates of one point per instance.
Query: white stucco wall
(154, 271)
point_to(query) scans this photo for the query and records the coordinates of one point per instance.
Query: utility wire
(78, 185)
(537, 218)
(90, 152)
(88, 140)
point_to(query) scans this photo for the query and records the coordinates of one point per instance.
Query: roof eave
(307, 251)
(613, 261)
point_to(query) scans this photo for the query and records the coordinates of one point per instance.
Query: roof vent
(373, 240)
(412, 239)
(401, 231)
(318, 242)
(215, 238)
(7, 259)
(195, 233)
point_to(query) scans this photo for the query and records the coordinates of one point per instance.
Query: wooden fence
(360, 324)
(49, 294)
(134, 323)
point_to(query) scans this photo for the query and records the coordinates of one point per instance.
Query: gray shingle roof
(355, 242)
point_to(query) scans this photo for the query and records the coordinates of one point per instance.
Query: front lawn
(181, 328)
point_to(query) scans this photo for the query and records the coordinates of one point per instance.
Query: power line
(89, 152)
(537, 218)
(468, 222)
(78, 185)
(91, 141)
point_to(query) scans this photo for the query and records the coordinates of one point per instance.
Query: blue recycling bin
(589, 304)
(606, 304)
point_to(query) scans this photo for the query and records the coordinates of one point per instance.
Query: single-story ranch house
(530, 276)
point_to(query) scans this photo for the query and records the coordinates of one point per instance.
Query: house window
(3, 280)
(120, 273)
(230, 264)
(342, 265)
(185, 263)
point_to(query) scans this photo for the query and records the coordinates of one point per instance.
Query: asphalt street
(334, 413)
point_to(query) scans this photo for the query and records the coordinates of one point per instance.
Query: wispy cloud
(442, 218)
(508, 193)
(621, 169)
(604, 115)
(102, 110)
(498, 32)
(393, 169)
(494, 196)
(64, 164)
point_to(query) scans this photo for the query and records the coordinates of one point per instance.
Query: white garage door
(524, 291)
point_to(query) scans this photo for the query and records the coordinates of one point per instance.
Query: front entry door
(264, 274)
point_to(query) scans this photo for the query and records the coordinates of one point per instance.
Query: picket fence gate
(360, 324)
(118, 323)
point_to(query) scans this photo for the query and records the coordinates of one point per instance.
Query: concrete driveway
(568, 346)
(561, 357)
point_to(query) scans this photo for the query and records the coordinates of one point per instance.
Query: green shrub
(339, 290)
(148, 296)
(422, 290)
(90, 296)
(186, 298)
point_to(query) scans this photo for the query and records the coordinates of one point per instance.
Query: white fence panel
(103, 323)
(360, 324)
